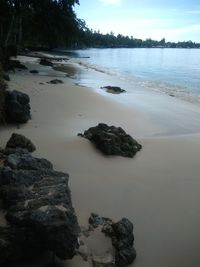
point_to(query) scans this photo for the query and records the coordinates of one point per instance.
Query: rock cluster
(121, 234)
(38, 206)
(113, 89)
(112, 140)
(17, 107)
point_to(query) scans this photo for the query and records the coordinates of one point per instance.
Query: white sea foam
(178, 91)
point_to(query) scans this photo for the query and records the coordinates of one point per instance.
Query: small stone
(34, 71)
(19, 140)
(55, 81)
(113, 89)
(17, 107)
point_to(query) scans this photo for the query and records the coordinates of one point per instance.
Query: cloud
(150, 28)
(110, 2)
(193, 12)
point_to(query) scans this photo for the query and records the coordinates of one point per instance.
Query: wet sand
(158, 190)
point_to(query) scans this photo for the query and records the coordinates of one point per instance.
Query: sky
(174, 20)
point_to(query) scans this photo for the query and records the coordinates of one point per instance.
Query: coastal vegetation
(89, 38)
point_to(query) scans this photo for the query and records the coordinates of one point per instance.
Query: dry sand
(158, 190)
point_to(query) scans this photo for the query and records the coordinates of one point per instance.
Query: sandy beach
(158, 190)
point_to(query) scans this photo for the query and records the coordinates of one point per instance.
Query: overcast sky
(176, 20)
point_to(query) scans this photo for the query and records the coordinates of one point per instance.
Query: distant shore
(158, 190)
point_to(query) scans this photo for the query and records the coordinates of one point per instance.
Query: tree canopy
(46, 23)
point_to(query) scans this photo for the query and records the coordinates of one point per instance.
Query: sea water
(172, 71)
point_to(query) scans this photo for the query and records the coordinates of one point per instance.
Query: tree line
(89, 38)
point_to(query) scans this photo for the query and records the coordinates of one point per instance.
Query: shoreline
(158, 190)
(175, 89)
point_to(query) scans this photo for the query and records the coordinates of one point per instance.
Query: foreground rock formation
(38, 206)
(112, 140)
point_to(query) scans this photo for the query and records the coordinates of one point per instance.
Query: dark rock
(17, 107)
(112, 140)
(43, 204)
(55, 81)
(16, 64)
(46, 62)
(38, 205)
(121, 234)
(105, 260)
(34, 71)
(11, 244)
(114, 89)
(27, 162)
(20, 141)
(6, 77)
(17, 150)
(172, 95)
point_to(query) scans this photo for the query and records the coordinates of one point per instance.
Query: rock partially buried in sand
(122, 237)
(17, 107)
(34, 71)
(55, 81)
(20, 141)
(37, 200)
(112, 140)
(121, 234)
(113, 89)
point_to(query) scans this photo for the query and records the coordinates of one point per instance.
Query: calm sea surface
(173, 71)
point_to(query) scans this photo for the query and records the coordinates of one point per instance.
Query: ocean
(172, 71)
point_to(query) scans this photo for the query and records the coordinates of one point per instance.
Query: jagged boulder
(112, 140)
(17, 107)
(20, 141)
(37, 200)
